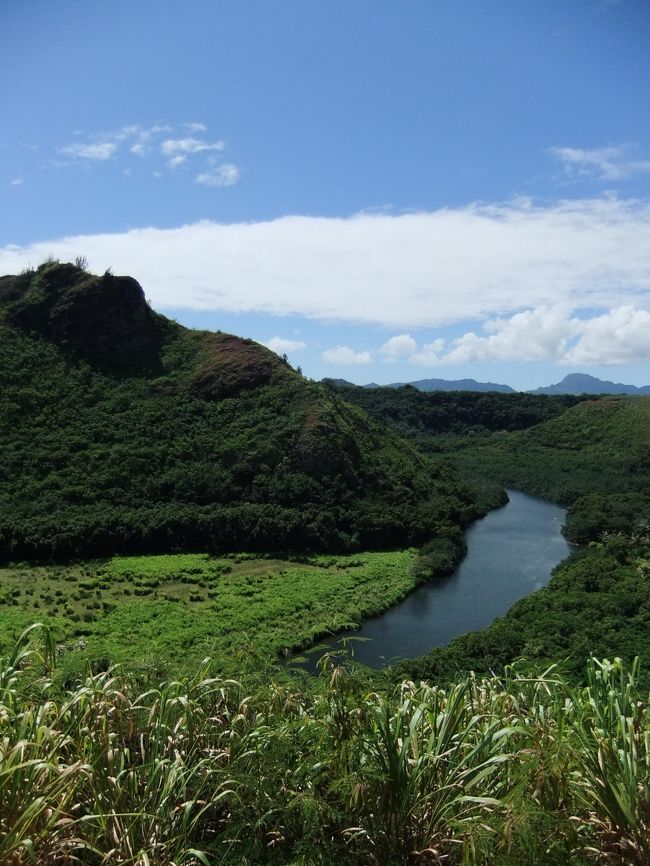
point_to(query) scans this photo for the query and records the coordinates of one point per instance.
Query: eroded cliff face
(104, 320)
(228, 365)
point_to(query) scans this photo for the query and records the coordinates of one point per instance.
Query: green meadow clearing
(169, 612)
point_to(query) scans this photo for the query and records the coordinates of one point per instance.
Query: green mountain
(123, 431)
(598, 445)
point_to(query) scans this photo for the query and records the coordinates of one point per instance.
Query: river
(511, 552)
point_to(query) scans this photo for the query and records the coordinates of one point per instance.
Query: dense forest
(123, 431)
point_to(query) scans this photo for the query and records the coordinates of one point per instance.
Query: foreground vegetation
(507, 771)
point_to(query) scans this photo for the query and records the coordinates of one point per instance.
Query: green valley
(591, 455)
(182, 511)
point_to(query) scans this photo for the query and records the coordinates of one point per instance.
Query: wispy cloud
(220, 175)
(283, 346)
(100, 150)
(17, 181)
(344, 356)
(403, 271)
(604, 163)
(172, 146)
(156, 143)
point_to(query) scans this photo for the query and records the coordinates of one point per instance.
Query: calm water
(510, 553)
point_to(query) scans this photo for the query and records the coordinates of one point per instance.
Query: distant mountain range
(582, 383)
(453, 385)
(573, 383)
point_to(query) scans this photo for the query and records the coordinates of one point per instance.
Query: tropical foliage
(125, 432)
(164, 614)
(509, 771)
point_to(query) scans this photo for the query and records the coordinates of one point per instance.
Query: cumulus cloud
(620, 336)
(604, 163)
(345, 356)
(283, 346)
(99, 150)
(412, 270)
(219, 175)
(617, 336)
(430, 355)
(532, 335)
(400, 346)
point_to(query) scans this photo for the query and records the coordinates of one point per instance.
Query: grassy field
(169, 612)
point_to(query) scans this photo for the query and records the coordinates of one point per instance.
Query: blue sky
(387, 190)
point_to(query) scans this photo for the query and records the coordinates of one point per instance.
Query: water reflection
(511, 553)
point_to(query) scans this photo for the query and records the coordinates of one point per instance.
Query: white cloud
(220, 175)
(620, 336)
(430, 355)
(532, 335)
(283, 346)
(400, 346)
(604, 163)
(100, 150)
(17, 181)
(345, 356)
(172, 146)
(154, 141)
(412, 270)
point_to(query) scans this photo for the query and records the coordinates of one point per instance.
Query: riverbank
(511, 552)
(597, 602)
(167, 613)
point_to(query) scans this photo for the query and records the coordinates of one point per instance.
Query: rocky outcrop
(103, 320)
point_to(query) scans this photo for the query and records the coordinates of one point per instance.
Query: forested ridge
(123, 431)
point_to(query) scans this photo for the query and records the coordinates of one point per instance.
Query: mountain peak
(104, 320)
(583, 383)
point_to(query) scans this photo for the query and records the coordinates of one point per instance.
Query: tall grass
(515, 771)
